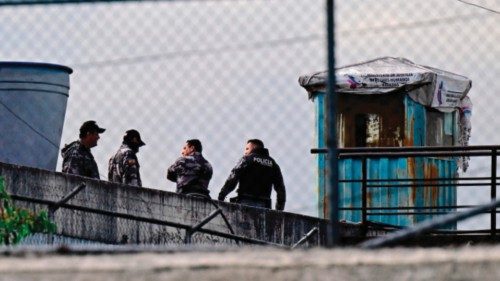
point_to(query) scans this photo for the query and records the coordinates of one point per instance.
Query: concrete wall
(272, 226)
(412, 264)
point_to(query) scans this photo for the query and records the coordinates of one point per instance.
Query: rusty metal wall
(400, 111)
(421, 195)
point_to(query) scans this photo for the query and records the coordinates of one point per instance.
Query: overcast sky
(226, 71)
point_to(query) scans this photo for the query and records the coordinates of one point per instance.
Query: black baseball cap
(90, 127)
(131, 134)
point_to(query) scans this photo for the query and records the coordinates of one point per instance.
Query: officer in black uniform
(77, 158)
(257, 173)
(192, 172)
(124, 165)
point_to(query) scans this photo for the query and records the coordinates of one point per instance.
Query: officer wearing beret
(124, 165)
(77, 158)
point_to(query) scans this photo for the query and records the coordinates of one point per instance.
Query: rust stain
(408, 138)
(411, 175)
(326, 207)
(431, 192)
(369, 198)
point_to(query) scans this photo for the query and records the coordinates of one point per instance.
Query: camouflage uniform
(78, 160)
(192, 174)
(124, 167)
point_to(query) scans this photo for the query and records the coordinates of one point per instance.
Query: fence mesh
(226, 71)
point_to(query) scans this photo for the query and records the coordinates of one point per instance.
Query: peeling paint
(388, 122)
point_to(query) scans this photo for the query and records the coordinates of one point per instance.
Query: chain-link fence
(226, 71)
(458, 36)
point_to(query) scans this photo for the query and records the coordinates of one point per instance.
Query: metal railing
(365, 154)
(53, 206)
(427, 226)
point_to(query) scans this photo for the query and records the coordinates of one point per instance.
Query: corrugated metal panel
(383, 168)
(396, 168)
(389, 168)
(350, 193)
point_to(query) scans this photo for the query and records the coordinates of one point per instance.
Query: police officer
(77, 158)
(124, 165)
(192, 172)
(256, 174)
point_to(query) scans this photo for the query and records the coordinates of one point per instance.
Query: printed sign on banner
(379, 81)
(445, 95)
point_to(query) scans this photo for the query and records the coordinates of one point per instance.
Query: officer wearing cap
(77, 158)
(124, 166)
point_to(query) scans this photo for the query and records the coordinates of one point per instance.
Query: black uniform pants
(253, 201)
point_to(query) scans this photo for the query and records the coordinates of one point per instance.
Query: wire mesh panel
(458, 36)
(219, 71)
(226, 71)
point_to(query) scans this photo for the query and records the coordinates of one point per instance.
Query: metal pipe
(332, 101)
(412, 154)
(493, 191)
(60, 2)
(488, 179)
(410, 149)
(408, 213)
(68, 197)
(56, 205)
(392, 228)
(225, 220)
(305, 238)
(147, 220)
(197, 227)
(364, 190)
(427, 185)
(205, 220)
(427, 226)
(409, 208)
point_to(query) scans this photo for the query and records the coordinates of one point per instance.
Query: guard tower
(392, 102)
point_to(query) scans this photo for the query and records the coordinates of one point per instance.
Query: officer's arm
(208, 171)
(233, 178)
(279, 187)
(130, 170)
(172, 171)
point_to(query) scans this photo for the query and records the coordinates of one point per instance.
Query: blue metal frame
(321, 158)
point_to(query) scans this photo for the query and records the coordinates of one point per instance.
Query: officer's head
(132, 138)
(89, 133)
(253, 144)
(191, 146)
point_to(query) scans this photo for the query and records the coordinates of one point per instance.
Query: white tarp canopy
(439, 89)
(431, 87)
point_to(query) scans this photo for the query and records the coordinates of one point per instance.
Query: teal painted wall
(388, 168)
(320, 124)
